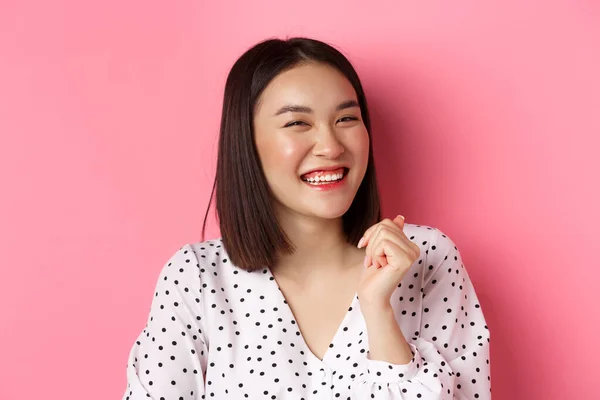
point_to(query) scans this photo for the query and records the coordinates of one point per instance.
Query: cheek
(281, 154)
(358, 144)
(289, 150)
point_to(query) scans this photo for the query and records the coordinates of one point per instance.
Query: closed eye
(293, 123)
(343, 119)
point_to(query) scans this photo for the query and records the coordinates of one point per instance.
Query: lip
(331, 168)
(327, 187)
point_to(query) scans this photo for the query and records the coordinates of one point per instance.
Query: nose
(327, 144)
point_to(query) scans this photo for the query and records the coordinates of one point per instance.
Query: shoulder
(209, 255)
(209, 251)
(216, 271)
(191, 260)
(429, 239)
(197, 254)
(436, 246)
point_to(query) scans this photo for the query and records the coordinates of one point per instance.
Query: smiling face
(306, 119)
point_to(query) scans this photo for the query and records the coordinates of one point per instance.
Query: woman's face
(308, 119)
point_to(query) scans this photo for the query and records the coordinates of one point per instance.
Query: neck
(321, 249)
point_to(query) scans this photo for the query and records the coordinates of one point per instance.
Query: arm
(386, 340)
(450, 358)
(168, 359)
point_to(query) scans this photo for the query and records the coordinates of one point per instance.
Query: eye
(293, 123)
(346, 119)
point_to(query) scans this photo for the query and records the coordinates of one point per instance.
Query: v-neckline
(290, 314)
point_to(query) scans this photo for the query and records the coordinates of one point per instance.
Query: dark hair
(251, 234)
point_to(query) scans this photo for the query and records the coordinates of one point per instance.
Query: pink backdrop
(485, 124)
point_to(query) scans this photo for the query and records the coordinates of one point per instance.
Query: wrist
(377, 311)
(386, 340)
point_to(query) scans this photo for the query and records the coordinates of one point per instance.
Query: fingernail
(360, 242)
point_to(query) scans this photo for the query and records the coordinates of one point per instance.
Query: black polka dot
(200, 297)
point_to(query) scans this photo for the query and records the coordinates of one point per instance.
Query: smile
(327, 180)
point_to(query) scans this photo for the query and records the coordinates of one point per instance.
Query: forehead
(314, 85)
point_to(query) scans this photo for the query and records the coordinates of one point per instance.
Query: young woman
(308, 294)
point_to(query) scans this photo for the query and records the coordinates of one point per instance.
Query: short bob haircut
(250, 232)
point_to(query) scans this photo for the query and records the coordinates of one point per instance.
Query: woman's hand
(389, 254)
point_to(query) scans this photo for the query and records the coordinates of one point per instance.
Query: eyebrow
(303, 109)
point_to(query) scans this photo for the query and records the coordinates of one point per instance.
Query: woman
(308, 294)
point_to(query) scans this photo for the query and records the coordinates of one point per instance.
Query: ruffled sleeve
(451, 355)
(168, 358)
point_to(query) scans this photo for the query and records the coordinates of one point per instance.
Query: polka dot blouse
(215, 331)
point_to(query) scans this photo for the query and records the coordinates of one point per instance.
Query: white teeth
(325, 178)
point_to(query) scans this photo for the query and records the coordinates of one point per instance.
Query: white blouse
(215, 331)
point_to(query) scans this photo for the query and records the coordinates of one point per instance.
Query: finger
(387, 249)
(364, 241)
(395, 255)
(380, 233)
(381, 261)
(399, 220)
(378, 259)
(399, 242)
(369, 260)
(365, 237)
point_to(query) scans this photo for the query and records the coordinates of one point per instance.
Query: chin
(328, 212)
(329, 215)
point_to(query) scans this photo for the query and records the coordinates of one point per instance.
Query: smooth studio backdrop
(485, 124)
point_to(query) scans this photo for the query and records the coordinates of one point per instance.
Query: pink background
(486, 118)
